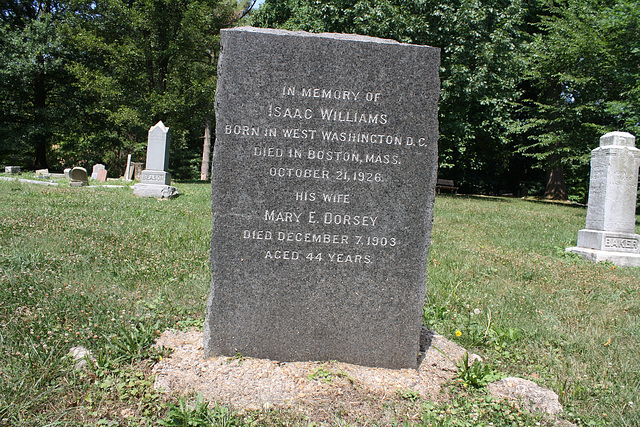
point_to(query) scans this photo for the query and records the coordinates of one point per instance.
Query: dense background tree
(528, 86)
(111, 69)
(583, 81)
(481, 41)
(33, 79)
(150, 60)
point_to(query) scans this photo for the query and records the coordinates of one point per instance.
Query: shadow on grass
(476, 197)
(191, 181)
(506, 199)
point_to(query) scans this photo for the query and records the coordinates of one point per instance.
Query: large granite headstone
(155, 180)
(609, 233)
(323, 180)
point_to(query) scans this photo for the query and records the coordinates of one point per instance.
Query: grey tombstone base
(157, 191)
(323, 179)
(609, 234)
(79, 177)
(155, 180)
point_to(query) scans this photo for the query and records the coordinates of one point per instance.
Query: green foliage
(474, 408)
(323, 373)
(481, 41)
(83, 266)
(408, 394)
(198, 415)
(34, 95)
(581, 80)
(83, 81)
(478, 374)
(133, 342)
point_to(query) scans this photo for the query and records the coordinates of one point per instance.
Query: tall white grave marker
(155, 180)
(611, 215)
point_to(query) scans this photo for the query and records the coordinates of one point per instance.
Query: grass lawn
(101, 268)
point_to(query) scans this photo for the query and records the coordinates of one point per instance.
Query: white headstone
(128, 171)
(155, 179)
(158, 148)
(609, 233)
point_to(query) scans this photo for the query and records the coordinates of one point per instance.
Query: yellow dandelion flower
(458, 333)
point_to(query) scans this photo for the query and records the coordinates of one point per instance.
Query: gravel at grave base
(318, 390)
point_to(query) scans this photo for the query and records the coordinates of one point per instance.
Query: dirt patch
(319, 391)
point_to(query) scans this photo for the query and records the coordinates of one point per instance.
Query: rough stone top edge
(160, 126)
(336, 36)
(624, 139)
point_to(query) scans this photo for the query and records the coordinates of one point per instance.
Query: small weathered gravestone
(66, 172)
(324, 170)
(102, 175)
(137, 170)
(79, 177)
(12, 170)
(155, 179)
(611, 213)
(42, 172)
(96, 169)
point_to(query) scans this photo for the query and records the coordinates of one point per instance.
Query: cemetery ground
(102, 269)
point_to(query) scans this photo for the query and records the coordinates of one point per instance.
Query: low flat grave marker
(12, 170)
(324, 170)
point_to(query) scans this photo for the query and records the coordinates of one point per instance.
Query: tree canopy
(528, 86)
(83, 81)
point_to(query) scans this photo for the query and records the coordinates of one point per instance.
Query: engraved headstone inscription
(609, 233)
(324, 170)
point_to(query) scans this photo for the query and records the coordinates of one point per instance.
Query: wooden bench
(446, 184)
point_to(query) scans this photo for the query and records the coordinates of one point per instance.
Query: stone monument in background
(96, 170)
(12, 170)
(323, 179)
(78, 177)
(155, 180)
(609, 233)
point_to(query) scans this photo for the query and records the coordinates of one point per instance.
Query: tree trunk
(206, 152)
(40, 125)
(556, 189)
